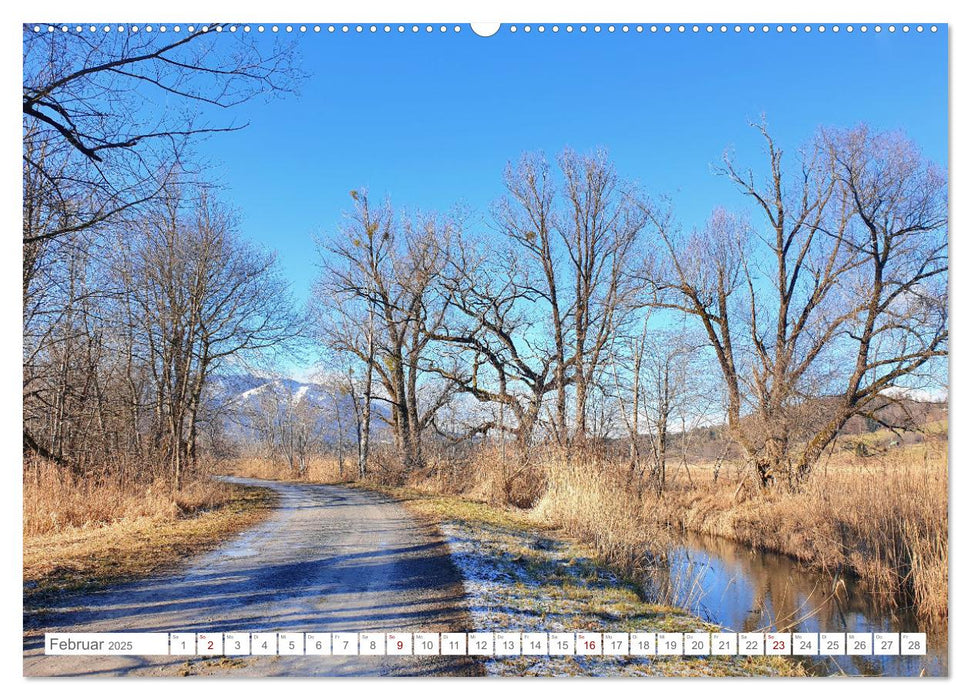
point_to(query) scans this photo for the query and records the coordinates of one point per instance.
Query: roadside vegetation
(522, 575)
(87, 533)
(775, 375)
(137, 287)
(882, 517)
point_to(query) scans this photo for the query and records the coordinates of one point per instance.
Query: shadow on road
(329, 559)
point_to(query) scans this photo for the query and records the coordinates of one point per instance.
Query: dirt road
(330, 559)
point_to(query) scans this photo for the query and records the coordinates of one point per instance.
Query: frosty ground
(520, 576)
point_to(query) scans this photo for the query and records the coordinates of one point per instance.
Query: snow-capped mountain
(248, 406)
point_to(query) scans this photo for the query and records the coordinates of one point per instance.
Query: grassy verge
(882, 517)
(876, 507)
(89, 557)
(522, 575)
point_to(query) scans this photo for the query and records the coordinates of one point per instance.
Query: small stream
(745, 590)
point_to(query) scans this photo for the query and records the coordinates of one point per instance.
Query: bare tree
(491, 350)
(286, 421)
(350, 352)
(600, 228)
(112, 113)
(898, 294)
(626, 353)
(526, 216)
(538, 319)
(383, 273)
(657, 380)
(675, 395)
(343, 417)
(200, 295)
(852, 264)
(108, 119)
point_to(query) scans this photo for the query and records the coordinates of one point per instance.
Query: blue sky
(432, 119)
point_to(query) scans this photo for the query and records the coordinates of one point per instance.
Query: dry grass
(320, 470)
(87, 532)
(56, 500)
(489, 477)
(521, 574)
(883, 518)
(593, 501)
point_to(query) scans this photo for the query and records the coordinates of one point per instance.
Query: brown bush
(56, 498)
(883, 518)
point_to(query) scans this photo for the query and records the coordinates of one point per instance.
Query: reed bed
(884, 519)
(57, 499)
(880, 516)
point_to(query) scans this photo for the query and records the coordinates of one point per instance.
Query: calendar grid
(490, 644)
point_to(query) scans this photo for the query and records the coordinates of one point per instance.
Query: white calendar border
(445, 10)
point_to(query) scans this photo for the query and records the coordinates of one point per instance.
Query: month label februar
(109, 644)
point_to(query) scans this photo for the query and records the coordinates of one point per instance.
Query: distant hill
(246, 403)
(904, 409)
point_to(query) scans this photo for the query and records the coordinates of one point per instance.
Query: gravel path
(330, 559)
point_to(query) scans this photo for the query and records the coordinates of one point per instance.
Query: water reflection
(746, 591)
